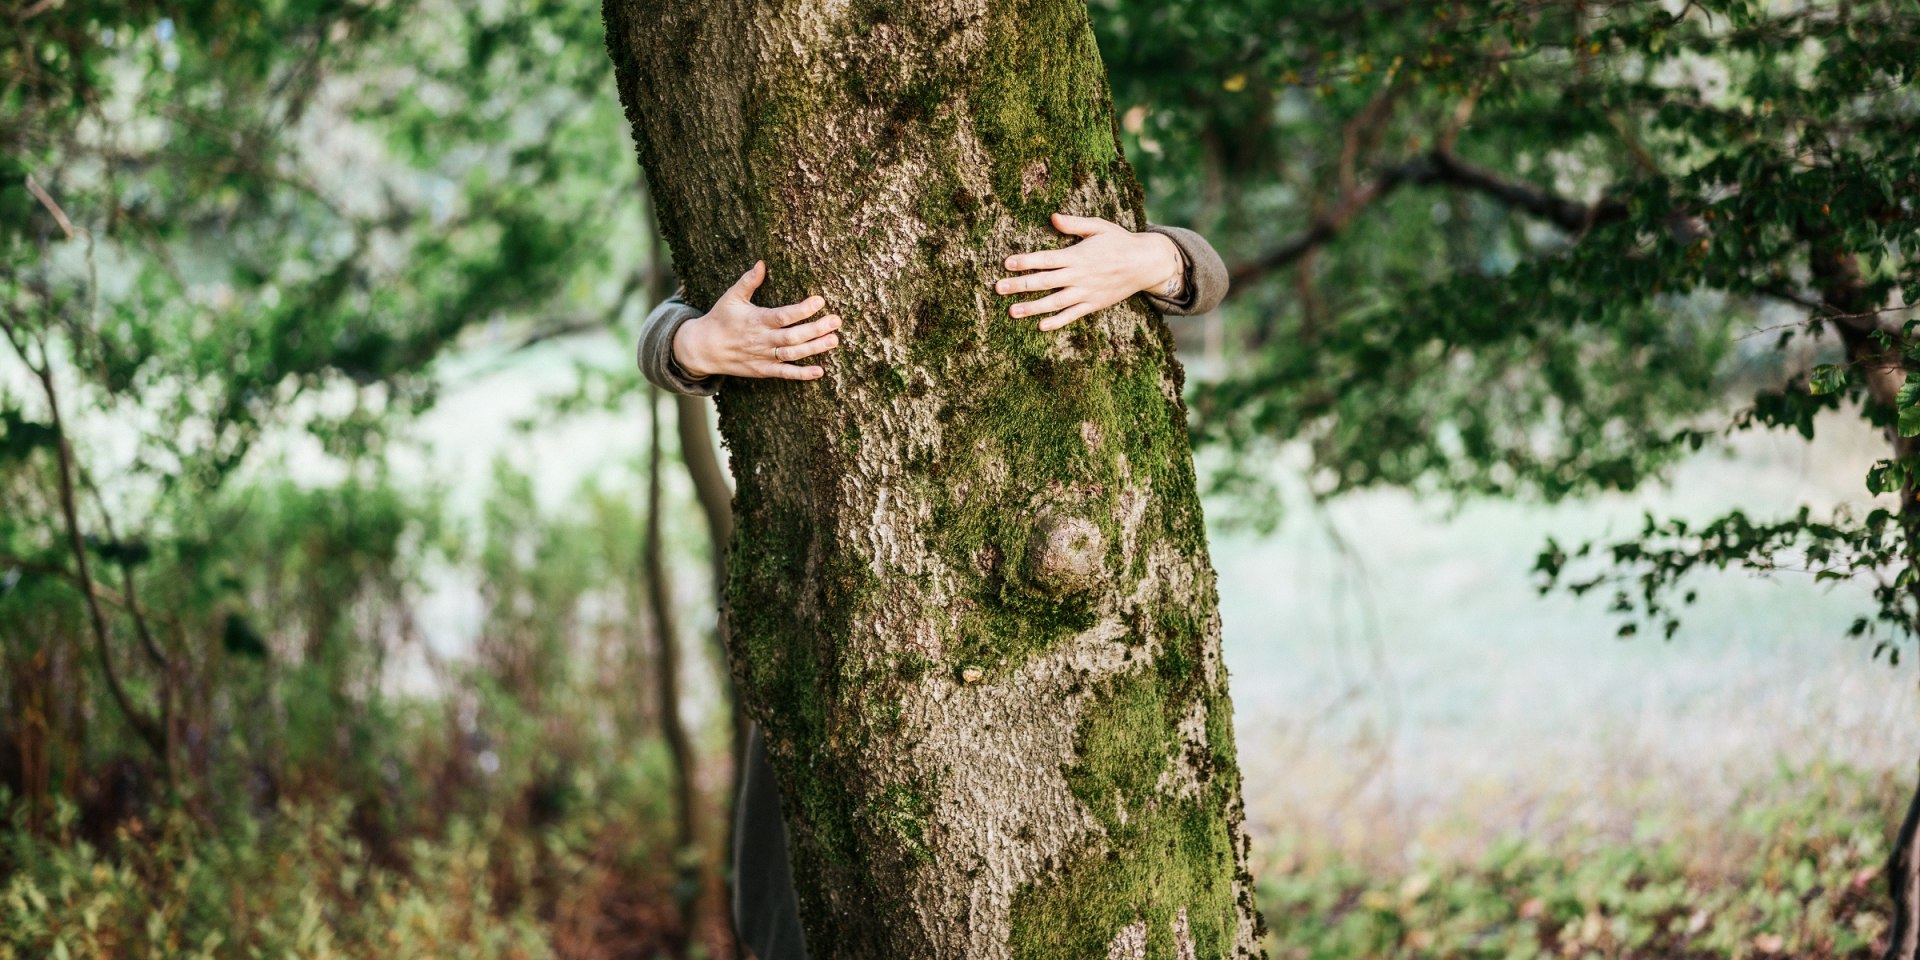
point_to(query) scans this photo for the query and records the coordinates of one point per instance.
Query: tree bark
(969, 592)
(688, 859)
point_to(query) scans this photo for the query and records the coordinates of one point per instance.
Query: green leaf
(241, 640)
(1908, 403)
(1827, 378)
(19, 436)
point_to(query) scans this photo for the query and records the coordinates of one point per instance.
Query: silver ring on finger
(779, 354)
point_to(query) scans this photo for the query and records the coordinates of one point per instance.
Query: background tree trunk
(970, 598)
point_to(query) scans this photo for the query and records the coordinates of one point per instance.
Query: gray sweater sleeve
(1206, 280)
(656, 350)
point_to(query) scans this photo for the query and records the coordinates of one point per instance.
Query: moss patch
(1095, 429)
(1043, 110)
(1158, 856)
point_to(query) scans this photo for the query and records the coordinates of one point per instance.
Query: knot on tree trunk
(1066, 555)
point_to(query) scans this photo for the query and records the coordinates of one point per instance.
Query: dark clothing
(766, 909)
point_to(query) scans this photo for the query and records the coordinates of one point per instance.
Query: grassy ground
(1794, 872)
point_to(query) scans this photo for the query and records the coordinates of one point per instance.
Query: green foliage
(1795, 875)
(238, 237)
(509, 814)
(309, 882)
(1509, 248)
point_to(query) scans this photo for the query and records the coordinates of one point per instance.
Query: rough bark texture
(970, 596)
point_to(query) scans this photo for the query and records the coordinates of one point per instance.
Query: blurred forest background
(356, 596)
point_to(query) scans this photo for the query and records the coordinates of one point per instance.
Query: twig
(37, 9)
(59, 215)
(146, 727)
(151, 647)
(1439, 167)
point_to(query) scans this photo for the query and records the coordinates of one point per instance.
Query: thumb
(743, 288)
(1081, 226)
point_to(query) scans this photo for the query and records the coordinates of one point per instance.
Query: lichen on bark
(970, 596)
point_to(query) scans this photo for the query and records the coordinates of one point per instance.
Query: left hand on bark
(1109, 264)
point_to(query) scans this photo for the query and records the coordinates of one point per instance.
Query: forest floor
(1441, 762)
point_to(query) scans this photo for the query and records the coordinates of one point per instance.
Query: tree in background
(1537, 248)
(970, 597)
(236, 237)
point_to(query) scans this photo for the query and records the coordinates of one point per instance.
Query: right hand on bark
(738, 339)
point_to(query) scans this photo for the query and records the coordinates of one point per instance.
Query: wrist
(688, 349)
(1166, 267)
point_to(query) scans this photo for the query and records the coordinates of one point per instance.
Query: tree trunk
(688, 859)
(969, 594)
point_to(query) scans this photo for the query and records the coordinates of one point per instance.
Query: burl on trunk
(971, 603)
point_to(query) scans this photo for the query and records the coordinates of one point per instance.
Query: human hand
(1108, 265)
(739, 339)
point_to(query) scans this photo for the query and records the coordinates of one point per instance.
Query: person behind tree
(689, 351)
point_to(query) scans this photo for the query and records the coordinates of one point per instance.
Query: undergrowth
(1795, 872)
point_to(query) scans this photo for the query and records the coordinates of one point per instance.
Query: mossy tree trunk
(970, 596)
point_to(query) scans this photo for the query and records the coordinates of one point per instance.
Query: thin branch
(42, 568)
(588, 323)
(1569, 215)
(59, 215)
(37, 9)
(146, 727)
(1436, 167)
(147, 642)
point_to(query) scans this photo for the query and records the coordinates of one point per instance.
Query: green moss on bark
(1159, 855)
(1068, 438)
(1042, 109)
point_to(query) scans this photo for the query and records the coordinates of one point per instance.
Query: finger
(793, 313)
(1038, 260)
(1066, 316)
(1081, 226)
(801, 333)
(743, 288)
(787, 371)
(1046, 304)
(1032, 282)
(801, 351)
